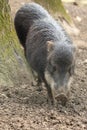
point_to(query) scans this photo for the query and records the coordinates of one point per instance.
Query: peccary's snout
(59, 81)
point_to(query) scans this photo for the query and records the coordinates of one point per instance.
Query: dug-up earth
(24, 108)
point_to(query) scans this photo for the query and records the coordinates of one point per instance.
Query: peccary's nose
(62, 80)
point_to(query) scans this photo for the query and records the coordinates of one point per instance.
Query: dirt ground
(24, 108)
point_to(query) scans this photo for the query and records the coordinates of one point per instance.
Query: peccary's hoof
(51, 102)
(39, 89)
(62, 98)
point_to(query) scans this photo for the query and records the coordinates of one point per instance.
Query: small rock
(22, 3)
(85, 61)
(67, 122)
(78, 19)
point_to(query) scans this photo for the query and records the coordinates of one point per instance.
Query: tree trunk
(13, 65)
(57, 7)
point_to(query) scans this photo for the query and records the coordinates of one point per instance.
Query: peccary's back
(36, 44)
(25, 17)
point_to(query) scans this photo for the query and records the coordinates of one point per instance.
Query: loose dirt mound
(24, 108)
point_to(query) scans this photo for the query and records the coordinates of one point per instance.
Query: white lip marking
(49, 79)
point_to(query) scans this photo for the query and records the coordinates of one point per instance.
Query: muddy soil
(24, 108)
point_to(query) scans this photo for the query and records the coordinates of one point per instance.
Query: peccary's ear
(50, 46)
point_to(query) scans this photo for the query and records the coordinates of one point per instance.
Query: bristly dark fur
(40, 32)
(25, 17)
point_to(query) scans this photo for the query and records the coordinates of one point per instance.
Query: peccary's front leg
(39, 83)
(51, 97)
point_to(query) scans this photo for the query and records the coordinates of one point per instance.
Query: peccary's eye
(54, 68)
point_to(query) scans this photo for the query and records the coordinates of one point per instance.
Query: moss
(12, 59)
